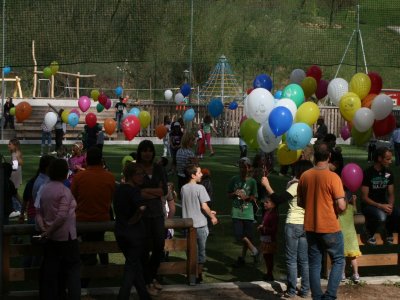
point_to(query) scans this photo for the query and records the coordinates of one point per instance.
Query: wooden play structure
(17, 86)
(77, 77)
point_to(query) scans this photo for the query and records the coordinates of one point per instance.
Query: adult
(242, 190)
(130, 231)
(9, 192)
(56, 219)
(120, 107)
(377, 194)
(154, 187)
(395, 142)
(185, 157)
(295, 236)
(8, 118)
(46, 138)
(91, 135)
(42, 177)
(175, 138)
(322, 130)
(336, 158)
(320, 192)
(93, 189)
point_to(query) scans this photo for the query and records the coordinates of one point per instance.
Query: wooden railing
(13, 273)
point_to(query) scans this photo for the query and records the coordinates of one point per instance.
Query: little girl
(201, 143)
(77, 162)
(207, 127)
(351, 247)
(16, 175)
(268, 230)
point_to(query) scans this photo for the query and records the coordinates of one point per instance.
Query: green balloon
(126, 159)
(99, 107)
(295, 92)
(248, 132)
(12, 111)
(47, 72)
(361, 138)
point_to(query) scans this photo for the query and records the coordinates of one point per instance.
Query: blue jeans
(296, 253)
(202, 234)
(46, 136)
(333, 244)
(375, 218)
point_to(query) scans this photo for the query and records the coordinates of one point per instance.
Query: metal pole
(1, 220)
(2, 70)
(191, 42)
(222, 79)
(357, 35)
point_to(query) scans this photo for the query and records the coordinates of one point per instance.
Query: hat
(245, 160)
(177, 124)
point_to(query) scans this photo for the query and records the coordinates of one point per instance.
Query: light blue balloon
(189, 115)
(73, 119)
(280, 119)
(118, 91)
(6, 70)
(278, 94)
(298, 136)
(134, 111)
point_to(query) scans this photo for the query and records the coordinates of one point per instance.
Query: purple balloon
(345, 132)
(322, 89)
(108, 103)
(75, 110)
(352, 176)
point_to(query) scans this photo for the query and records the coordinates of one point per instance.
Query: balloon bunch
(362, 106)
(310, 81)
(51, 70)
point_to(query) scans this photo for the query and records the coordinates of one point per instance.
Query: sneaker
(256, 256)
(355, 278)
(152, 290)
(239, 263)
(371, 241)
(389, 240)
(287, 295)
(343, 277)
(157, 285)
(14, 214)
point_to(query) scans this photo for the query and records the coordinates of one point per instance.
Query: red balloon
(322, 89)
(385, 126)
(376, 83)
(91, 120)
(315, 72)
(131, 127)
(103, 99)
(249, 90)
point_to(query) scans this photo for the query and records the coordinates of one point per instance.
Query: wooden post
(34, 70)
(192, 255)
(52, 86)
(77, 84)
(19, 86)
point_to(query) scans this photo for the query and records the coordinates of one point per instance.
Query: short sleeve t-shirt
(243, 209)
(193, 195)
(120, 107)
(295, 213)
(378, 182)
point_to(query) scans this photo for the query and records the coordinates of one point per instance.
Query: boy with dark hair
(194, 202)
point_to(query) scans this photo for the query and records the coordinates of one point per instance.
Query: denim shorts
(242, 228)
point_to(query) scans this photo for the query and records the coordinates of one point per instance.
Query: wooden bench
(14, 273)
(384, 258)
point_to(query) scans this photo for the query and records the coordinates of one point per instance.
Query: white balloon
(289, 104)
(50, 119)
(245, 109)
(336, 89)
(382, 106)
(168, 95)
(363, 119)
(179, 98)
(266, 139)
(297, 76)
(259, 104)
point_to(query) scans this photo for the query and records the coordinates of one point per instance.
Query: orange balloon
(23, 111)
(367, 101)
(109, 126)
(161, 131)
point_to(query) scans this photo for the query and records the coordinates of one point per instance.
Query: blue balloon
(215, 107)
(278, 94)
(298, 136)
(6, 70)
(134, 111)
(186, 89)
(233, 105)
(263, 81)
(280, 119)
(189, 115)
(118, 91)
(73, 119)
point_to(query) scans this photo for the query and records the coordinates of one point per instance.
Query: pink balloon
(131, 127)
(345, 132)
(108, 103)
(322, 89)
(91, 120)
(84, 103)
(352, 176)
(75, 110)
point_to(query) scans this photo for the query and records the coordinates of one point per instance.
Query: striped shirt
(182, 160)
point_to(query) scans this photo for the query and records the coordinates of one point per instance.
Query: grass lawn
(221, 250)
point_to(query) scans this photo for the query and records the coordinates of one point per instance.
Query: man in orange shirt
(93, 190)
(320, 192)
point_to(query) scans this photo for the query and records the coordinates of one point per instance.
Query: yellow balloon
(94, 94)
(287, 156)
(64, 115)
(348, 105)
(54, 67)
(307, 113)
(360, 84)
(309, 85)
(144, 118)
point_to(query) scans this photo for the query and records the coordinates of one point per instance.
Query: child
(206, 182)
(169, 211)
(268, 230)
(175, 138)
(351, 247)
(17, 161)
(77, 162)
(201, 144)
(46, 137)
(194, 202)
(167, 124)
(207, 127)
